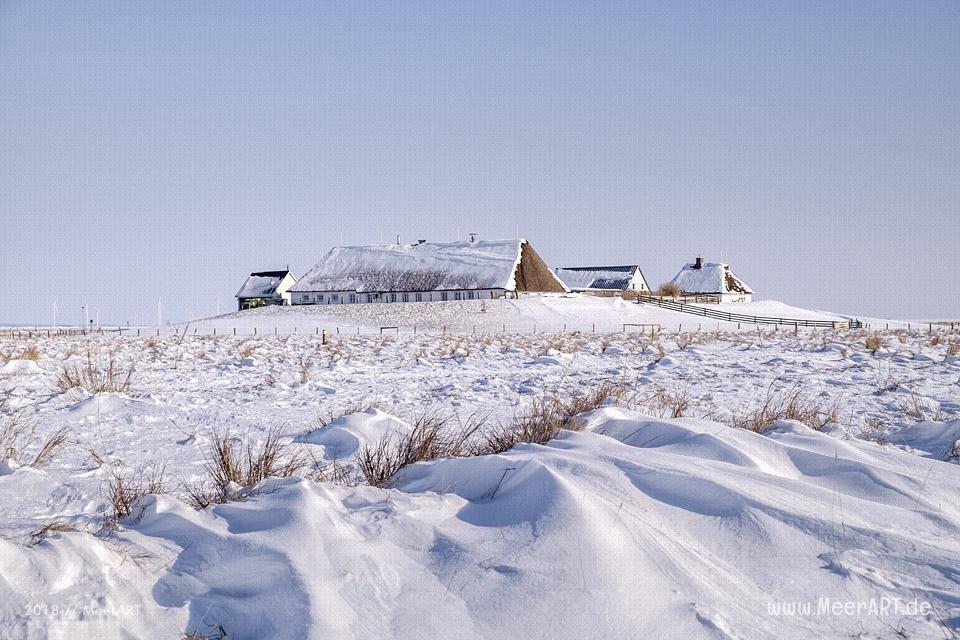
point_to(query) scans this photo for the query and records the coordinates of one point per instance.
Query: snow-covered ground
(544, 312)
(641, 525)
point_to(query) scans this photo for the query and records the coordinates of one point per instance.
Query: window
(418, 297)
(457, 295)
(443, 296)
(393, 297)
(470, 295)
(335, 297)
(406, 297)
(353, 297)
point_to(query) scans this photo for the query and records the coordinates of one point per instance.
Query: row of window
(336, 298)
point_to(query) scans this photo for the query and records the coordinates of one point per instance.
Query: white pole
(159, 314)
(54, 314)
(86, 315)
(98, 316)
(218, 305)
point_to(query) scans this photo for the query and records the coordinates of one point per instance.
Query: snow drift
(672, 528)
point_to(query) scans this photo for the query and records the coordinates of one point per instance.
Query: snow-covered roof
(262, 284)
(483, 264)
(712, 277)
(614, 278)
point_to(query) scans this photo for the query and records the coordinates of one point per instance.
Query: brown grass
(30, 353)
(125, 489)
(428, 439)
(789, 405)
(94, 378)
(873, 342)
(669, 289)
(913, 406)
(233, 463)
(17, 435)
(546, 419)
(52, 527)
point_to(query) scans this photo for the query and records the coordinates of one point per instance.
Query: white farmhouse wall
(283, 289)
(388, 297)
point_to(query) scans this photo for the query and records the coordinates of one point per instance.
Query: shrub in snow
(95, 378)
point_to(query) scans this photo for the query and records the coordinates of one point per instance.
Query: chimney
(420, 241)
(699, 263)
(473, 237)
(398, 238)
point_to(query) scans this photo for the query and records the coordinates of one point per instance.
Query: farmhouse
(426, 272)
(712, 278)
(264, 288)
(602, 280)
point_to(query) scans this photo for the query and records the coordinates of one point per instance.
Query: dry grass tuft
(428, 439)
(790, 405)
(18, 434)
(219, 633)
(669, 289)
(546, 419)
(94, 378)
(914, 406)
(875, 430)
(234, 466)
(52, 527)
(676, 401)
(125, 489)
(30, 353)
(873, 342)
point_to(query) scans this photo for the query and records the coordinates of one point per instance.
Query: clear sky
(165, 149)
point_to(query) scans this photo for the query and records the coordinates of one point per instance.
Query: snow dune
(679, 528)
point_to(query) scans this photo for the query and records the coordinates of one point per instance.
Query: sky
(163, 150)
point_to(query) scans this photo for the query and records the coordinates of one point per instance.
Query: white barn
(712, 278)
(604, 279)
(426, 272)
(263, 288)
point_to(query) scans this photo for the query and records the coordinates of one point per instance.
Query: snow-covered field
(639, 525)
(545, 312)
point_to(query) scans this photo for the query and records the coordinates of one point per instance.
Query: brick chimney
(698, 264)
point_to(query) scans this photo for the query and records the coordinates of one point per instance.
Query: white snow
(680, 527)
(712, 277)
(259, 287)
(484, 264)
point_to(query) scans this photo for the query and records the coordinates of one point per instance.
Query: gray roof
(616, 278)
(262, 284)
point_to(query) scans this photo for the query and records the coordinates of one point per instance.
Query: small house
(426, 272)
(264, 288)
(601, 280)
(713, 279)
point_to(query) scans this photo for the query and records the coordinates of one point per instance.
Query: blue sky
(164, 149)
